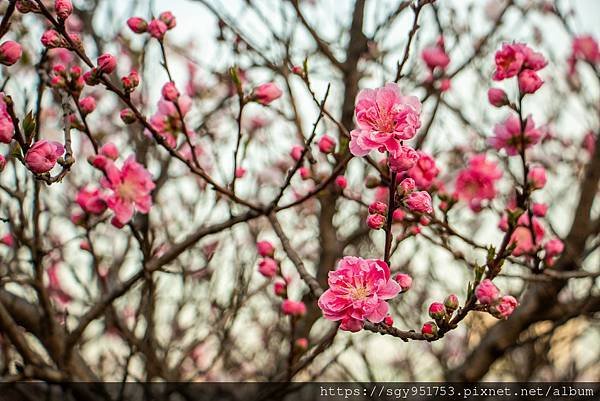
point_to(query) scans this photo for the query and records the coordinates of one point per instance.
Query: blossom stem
(388, 228)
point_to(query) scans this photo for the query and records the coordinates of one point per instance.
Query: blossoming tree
(263, 213)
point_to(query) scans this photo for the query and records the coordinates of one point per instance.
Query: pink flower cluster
(127, 189)
(157, 27)
(517, 59)
(167, 121)
(385, 118)
(358, 291)
(476, 183)
(488, 294)
(507, 135)
(584, 48)
(436, 59)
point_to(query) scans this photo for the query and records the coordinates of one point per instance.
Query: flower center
(359, 293)
(127, 191)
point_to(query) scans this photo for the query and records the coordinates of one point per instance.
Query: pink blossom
(358, 290)
(404, 281)
(375, 221)
(157, 29)
(240, 172)
(326, 144)
(170, 92)
(435, 57)
(63, 8)
(497, 97)
(537, 177)
(87, 104)
(505, 307)
(268, 267)
(52, 39)
(131, 187)
(266, 93)
(529, 81)
(293, 308)
(91, 201)
(109, 150)
(522, 239)
(419, 201)
(486, 292)
(398, 215)
(404, 159)
(2, 163)
(106, 63)
(539, 209)
(42, 156)
(279, 288)
(585, 47)
(7, 128)
(305, 173)
(137, 24)
(477, 182)
(167, 121)
(384, 118)
(341, 181)
(512, 58)
(507, 135)
(8, 240)
(10, 52)
(424, 171)
(554, 247)
(265, 248)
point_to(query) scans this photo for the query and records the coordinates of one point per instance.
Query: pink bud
(537, 177)
(106, 63)
(505, 307)
(301, 343)
(91, 77)
(52, 39)
(63, 8)
(297, 70)
(109, 150)
(10, 52)
(127, 116)
(388, 320)
(437, 311)
(375, 221)
(85, 245)
(304, 173)
(265, 248)
(131, 81)
(419, 201)
(296, 152)
(137, 24)
(451, 303)
(87, 104)
(398, 215)
(279, 288)
(539, 209)
(268, 267)
(554, 247)
(326, 144)
(404, 281)
(341, 181)
(168, 19)
(266, 93)
(8, 240)
(486, 292)
(406, 186)
(497, 97)
(170, 92)
(429, 330)
(157, 29)
(378, 208)
(529, 81)
(293, 308)
(404, 159)
(240, 172)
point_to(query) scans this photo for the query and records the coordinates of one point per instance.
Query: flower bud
(266, 93)
(92, 77)
(293, 308)
(52, 39)
(157, 29)
(398, 215)
(404, 281)
(451, 303)
(106, 63)
(378, 208)
(529, 81)
(437, 311)
(486, 292)
(504, 308)
(137, 24)
(326, 144)
(10, 52)
(539, 209)
(375, 221)
(537, 177)
(268, 267)
(404, 159)
(296, 152)
(109, 150)
(168, 19)
(301, 344)
(87, 105)
(406, 186)
(280, 288)
(429, 330)
(419, 201)
(265, 248)
(497, 97)
(131, 81)
(341, 181)
(304, 173)
(170, 92)
(127, 116)
(388, 320)
(63, 8)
